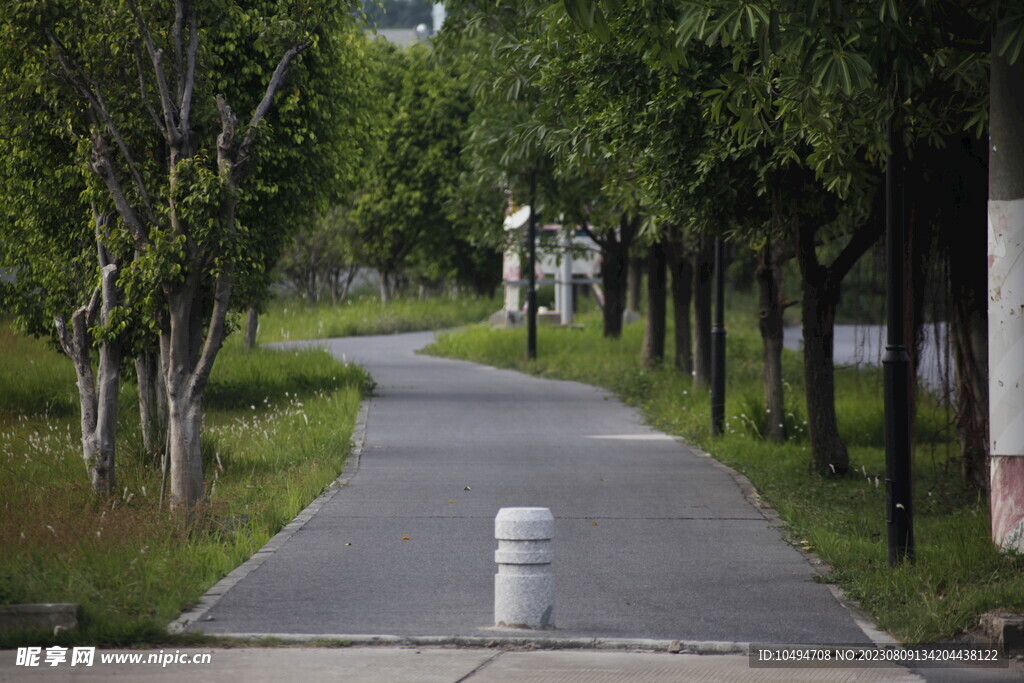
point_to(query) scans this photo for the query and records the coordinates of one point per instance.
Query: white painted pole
(1006, 298)
(524, 587)
(566, 286)
(1006, 370)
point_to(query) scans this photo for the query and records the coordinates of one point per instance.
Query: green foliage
(301, 161)
(405, 218)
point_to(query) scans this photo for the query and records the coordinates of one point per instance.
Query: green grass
(295, 319)
(958, 573)
(130, 565)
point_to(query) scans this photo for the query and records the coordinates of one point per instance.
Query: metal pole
(718, 345)
(896, 363)
(531, 294)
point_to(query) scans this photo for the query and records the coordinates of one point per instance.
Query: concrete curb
(348, 472)
(502, 641)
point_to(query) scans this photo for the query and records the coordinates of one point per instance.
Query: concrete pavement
(653, 540)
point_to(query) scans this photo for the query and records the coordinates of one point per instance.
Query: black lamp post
(531, 294)
(896, 364)
(718, 345)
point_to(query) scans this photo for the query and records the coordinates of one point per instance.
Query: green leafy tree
(402, 218)
(143, 95)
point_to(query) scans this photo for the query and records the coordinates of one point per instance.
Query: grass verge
(130, 565)
(958, 573)
(287, 319)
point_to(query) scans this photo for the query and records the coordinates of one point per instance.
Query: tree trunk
(682, 294)
(252, 326)
(968, 330)
(1005, 294)
(97, 391)
(772, 307)
(615, 248)
(634, 283)
(385, 289)
(654, 326)
(190, 348)
(613, 279)
(828, 452)
(703, 270)
(820, 298)
(966, 259)
(152, 404)
(185, 426)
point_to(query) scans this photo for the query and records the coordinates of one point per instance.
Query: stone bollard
(524, 587)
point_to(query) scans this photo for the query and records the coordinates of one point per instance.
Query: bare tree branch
(156, 57)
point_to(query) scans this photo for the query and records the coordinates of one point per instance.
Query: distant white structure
(438, 14)
(571, 262)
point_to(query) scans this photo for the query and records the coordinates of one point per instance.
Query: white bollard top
(524, 524)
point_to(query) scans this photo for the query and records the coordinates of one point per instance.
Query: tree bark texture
(703, 271)
(653, 351)
(252, 326)
(152, 404)
(634, 283)
(682, 295)
(772, 306)
(828, 452)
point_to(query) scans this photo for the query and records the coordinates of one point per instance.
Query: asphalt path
(652, 539)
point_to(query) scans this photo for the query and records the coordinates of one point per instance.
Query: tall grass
(277, 428)
(958, 573)
(295, 319)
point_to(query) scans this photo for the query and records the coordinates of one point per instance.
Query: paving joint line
(480, 667)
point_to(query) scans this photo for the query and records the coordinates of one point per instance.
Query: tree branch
(96, 103)
(190, 74)
(215, 334)
(273, 87)
(862, 239)
(104, 168)
(176, 29)
(142, 91)
(156, 57)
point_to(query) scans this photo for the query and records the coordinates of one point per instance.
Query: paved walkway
(653, 540)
